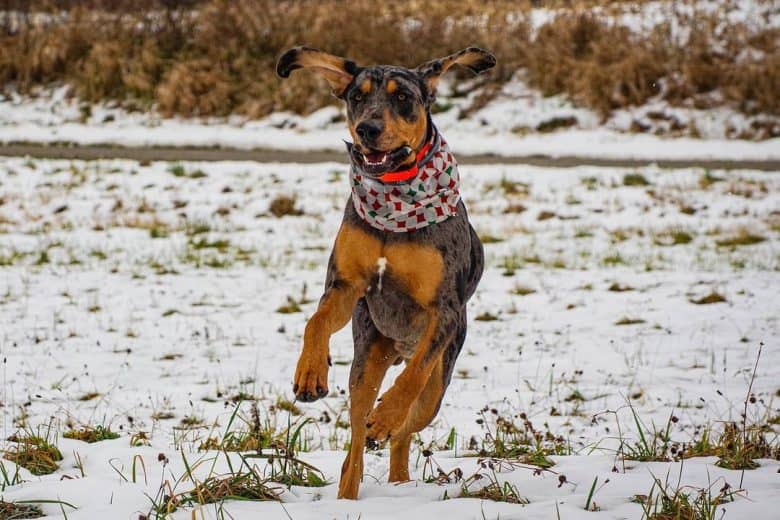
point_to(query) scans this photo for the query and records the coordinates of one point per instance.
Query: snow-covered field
(149, 298)
(508, 126)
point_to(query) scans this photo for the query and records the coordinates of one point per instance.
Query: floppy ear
(476, 59)
(338, 71)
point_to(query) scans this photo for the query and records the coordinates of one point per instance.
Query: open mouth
(375, 162)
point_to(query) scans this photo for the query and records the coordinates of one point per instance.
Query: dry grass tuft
(34, 453)
(735, 448)
(712, 297)
(284, 205)
(742, 238)
(91, 434)
(14, 511)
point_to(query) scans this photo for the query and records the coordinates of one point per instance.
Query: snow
(157, 287)
(505, 127)
(508, 126)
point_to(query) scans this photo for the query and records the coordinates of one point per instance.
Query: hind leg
(425, 408)
(420, 415)
(374, 354)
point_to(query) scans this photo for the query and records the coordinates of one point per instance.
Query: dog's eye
(357, 97)
(401, 96)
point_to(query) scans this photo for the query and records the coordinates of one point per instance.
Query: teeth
(382, 160)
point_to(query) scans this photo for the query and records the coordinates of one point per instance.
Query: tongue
(376, 157)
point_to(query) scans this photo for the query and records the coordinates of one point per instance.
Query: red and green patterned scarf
(430, 197)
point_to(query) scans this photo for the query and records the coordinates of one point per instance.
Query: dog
(405, 262)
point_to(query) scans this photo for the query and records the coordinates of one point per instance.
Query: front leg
(389, 416)
(333, 312)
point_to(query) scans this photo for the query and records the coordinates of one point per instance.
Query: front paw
(311, 378)
(384, 421)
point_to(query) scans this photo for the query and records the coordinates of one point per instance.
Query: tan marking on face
(399, 132)
(352, 126)
(392, 86)
(366, 86)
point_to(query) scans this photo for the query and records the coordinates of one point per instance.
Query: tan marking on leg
(424, 408)
(420, 415)
(399, 457)
(353, 248)
(334, 311)
(388, 418)
(362, 395)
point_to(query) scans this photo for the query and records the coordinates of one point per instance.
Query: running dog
(405, 262)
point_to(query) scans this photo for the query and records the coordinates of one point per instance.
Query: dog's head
(388, 107)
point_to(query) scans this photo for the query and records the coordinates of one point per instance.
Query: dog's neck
(427, 197)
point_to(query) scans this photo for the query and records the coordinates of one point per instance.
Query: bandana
(430, 197)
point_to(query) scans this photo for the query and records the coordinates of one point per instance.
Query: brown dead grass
(216, 57)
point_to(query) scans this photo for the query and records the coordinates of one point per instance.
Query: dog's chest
(400, 280)
(394, 312)
(409, 267)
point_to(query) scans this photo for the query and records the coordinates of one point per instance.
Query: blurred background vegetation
(216, 57)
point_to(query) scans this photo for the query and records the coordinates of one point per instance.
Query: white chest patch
(381, 265)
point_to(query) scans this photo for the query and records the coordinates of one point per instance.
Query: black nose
(369, 130)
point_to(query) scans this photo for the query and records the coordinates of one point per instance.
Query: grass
(505, 439)
(590, 504)
(34, 452)
(742, 238)
(613, 260)
(664, 502)
(9, 478)
(708, 179)
(254, 433)
(522, 290)
(487, 238)
(177, 170)
(243, 480)
(739, 444)
(244, 485)
(626, 320)
(288, 406)
(284, 205)
(293, 304)
(510, 264)
(652, 444)
(291, 307)
(735, 448)
(494, 491)
(91, 434)
(19, 510)
(556, 123)
(164, 55)
(89, 396)
(673, 237)
(635, 179)
(712, 297)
